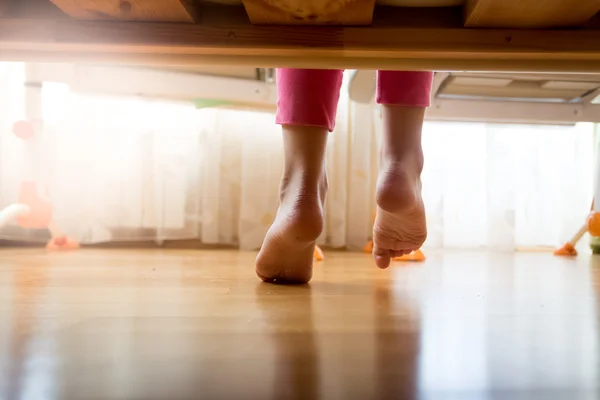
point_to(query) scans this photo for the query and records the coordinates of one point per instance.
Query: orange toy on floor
(318, 254)
(591, 225)
(592, 222)
(34, 209)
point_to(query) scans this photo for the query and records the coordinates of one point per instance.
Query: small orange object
(41, 209)
(23, 129)
(62, 243)
(593, 223)
(417, 256)
(318, 254)
(566, 250)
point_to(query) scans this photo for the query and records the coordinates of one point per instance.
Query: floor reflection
(135, 325)
(26, 376)
(509, 326)
(291, 327)
(396, 344)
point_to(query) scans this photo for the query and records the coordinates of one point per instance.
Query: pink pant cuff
(404, 88)
(309, 97)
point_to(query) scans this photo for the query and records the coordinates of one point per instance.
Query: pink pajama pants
(309, 97)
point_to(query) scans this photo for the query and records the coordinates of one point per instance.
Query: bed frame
(477, 35)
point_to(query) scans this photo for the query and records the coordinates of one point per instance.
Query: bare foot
(400, 227)
(286, 255)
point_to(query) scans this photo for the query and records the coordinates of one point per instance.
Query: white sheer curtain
(505, 186)
(134, 169)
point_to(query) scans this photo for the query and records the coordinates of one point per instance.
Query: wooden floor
(143, 324)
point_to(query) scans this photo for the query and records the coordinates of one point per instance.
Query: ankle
(408, 160)
(302, 184)
(402, 135)
(301, 201)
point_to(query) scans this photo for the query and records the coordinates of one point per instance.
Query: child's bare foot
(400, 226)
(286, 255)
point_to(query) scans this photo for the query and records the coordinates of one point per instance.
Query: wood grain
(529, 13)
(228, 38)
(310, 12)
(155, 325)
(130, 10)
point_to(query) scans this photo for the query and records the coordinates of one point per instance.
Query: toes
(398, 253)
(403, 252)
(382, 257)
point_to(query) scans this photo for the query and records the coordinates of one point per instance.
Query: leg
(400, 226)
(306, 109)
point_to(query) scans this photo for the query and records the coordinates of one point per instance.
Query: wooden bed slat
(310, 12)
(130, 10)
(226, 37)
(300, 47)
(529, 13)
